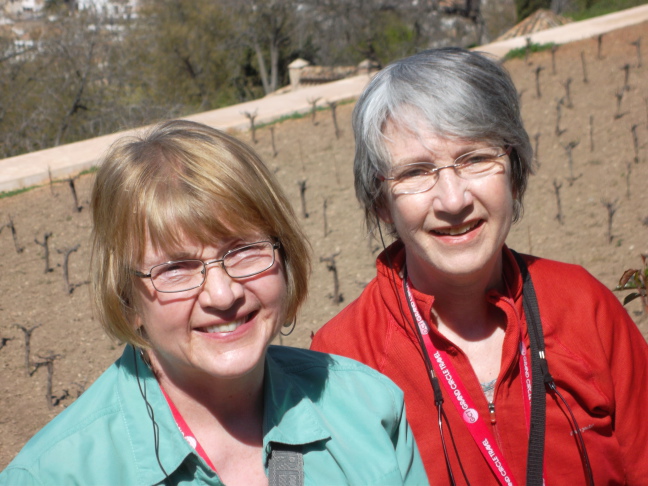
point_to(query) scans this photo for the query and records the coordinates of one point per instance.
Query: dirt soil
(606, 168)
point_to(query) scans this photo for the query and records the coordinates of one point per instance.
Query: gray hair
(458, 94)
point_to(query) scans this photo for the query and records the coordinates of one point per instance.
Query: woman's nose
(219, 291)
(451, 193)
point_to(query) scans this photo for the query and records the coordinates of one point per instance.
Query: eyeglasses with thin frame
(420, 177)
(241, 262)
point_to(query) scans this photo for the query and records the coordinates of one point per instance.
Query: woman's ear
(136, 321)
(138, 325)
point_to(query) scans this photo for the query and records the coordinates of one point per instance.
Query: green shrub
(521, 52)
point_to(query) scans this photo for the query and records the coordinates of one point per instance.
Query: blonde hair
(180, 180)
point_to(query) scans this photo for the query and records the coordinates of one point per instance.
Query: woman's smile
(226, 327)
(457, 230)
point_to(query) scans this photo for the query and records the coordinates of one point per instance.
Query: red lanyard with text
(186, 431)
(458, 393)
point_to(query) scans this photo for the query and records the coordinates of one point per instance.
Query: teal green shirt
(348, 419)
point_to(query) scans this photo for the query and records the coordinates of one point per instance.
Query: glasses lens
(249, 260)
(177, 276)
(413, 178)
(480, 163)
(421, 177)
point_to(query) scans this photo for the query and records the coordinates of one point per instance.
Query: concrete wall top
(67, 160)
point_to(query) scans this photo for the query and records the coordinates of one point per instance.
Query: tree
(50, 91)
(268, 27)
(187, 52)
(350, 31)
(527, 7)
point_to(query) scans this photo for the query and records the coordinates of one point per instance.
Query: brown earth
(603, 168)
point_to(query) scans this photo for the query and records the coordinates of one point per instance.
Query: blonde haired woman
(198, 262)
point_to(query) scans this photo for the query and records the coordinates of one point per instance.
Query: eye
(479, 156)
(411, 171)
(477, 159)
(177, 270)
(247, 253)
(480, 162)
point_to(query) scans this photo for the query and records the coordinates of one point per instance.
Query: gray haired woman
(497, 353)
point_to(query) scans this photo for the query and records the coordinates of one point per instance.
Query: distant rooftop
(541, 19)
(302, 73)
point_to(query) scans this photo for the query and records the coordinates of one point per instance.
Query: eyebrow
(414, 159)
(182, 254)
(430, 157)
(168, 257)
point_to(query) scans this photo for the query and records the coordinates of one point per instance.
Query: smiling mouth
(227, 327)
(457, 230)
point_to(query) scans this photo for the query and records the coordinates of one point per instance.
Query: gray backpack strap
(285, 465)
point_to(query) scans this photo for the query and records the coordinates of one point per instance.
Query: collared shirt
(349, 420)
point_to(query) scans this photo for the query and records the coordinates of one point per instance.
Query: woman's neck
(460, 300)
(226, 418)
(200, 397)
(463, 315)
(472, 323)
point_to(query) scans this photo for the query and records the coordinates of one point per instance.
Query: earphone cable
(151, 414)
(454, 446)
(434, 382)
(438, 395)
(576, 430)
(440, 414)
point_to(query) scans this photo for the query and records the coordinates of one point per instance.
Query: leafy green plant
(91, 170)
(586, 9)
(635, 281)
(296, 115)
(15, 192)
(521, 52)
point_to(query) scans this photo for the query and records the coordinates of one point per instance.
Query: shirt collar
(389, 266)
(390, 263)
(291, 417)
(136, 387)
(391, 259)
(512, 274)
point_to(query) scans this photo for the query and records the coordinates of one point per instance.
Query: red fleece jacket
(596, 354)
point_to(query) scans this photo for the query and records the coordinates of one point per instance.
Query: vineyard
(585, 107)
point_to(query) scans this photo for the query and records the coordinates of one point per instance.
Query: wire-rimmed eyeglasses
(241, 262)
(420, 177)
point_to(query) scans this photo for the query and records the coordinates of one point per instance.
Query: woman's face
(454, 232)
(219, 330)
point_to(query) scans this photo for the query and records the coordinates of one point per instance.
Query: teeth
(232, 326)
(457, 230)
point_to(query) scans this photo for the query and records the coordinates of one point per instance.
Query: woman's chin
(458, 265)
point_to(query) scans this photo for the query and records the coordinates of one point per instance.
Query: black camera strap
(540, 377)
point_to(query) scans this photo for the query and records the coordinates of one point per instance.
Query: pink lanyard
(186, 431)
(458, 393)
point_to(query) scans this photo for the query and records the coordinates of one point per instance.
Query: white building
(110, 8)
(32, 5)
